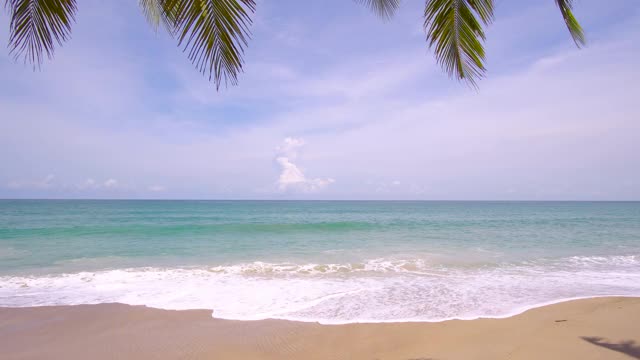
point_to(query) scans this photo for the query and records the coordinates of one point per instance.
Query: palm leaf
(153, 11)
(566, 7)
(384, 8)
(213, 32)
(37, 25)
(454, 31)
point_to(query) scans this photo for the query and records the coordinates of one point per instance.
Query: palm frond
(383, 8)
(454, 31)
(215, 33)
(153, 11)
(37, 25)
(566, 9)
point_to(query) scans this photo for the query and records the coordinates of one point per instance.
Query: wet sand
(603, 328)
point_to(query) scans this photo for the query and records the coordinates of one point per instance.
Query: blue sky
(334, 104)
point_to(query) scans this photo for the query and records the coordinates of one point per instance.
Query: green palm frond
(37, 25)
(566, 9)
(154, 12)
(215, 33)
(383, 8)
(454, 31)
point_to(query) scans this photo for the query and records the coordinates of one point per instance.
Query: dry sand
(604, 328)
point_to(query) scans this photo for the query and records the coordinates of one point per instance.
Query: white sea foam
(379, 290)
(380, 265)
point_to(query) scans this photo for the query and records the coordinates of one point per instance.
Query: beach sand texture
(600, 328)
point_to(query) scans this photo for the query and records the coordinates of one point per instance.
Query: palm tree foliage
(383, 8)
(454, 30)
(36, 26)
(215, 33)
(566, 7)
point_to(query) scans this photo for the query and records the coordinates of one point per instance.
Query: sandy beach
(600, 328)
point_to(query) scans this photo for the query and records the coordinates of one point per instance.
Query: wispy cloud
(44, 183)
(157, 188)
(110, 183)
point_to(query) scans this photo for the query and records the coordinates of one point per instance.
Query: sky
(334, 103)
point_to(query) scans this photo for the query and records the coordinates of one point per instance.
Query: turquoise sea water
(328, 261)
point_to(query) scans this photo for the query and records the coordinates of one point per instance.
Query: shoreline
(593, 328)
(513, 313)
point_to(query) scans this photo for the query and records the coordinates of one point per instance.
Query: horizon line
(293, 200)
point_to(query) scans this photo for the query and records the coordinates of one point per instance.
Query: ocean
(323, 261)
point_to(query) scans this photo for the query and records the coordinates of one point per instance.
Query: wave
(416, 266)
(377, 290)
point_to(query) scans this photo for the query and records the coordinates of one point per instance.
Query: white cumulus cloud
(289, 147)
(291, 177)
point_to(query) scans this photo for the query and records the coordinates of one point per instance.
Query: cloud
(88, 184)
(157, 188)
(290, 146)
(44, 183)
(47, 183)
(91, 184)
(111, 183)
(291, 177)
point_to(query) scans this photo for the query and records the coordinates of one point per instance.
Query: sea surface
(325, 261)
